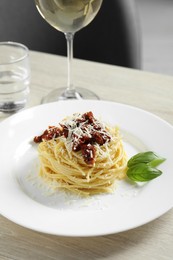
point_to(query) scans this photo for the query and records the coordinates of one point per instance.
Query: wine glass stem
(69, 37)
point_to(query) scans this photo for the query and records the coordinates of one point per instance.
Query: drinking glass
(14, 77)
(68, 16)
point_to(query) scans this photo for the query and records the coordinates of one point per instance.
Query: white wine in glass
(68, 16)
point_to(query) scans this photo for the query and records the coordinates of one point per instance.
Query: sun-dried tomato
(84, 132)
(88, 152)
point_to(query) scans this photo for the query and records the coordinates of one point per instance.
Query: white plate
(25, 200)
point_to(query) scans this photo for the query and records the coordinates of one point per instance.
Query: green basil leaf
(142, 172)
(149, 158)
(156, 162)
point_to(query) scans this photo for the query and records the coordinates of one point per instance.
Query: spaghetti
(82, 155)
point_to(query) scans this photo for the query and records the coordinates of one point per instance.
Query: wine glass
(68, 16)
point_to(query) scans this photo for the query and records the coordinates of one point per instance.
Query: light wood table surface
(149, 91)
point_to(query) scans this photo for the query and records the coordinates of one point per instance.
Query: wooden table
(149, 91)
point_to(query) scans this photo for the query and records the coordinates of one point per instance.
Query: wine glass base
(62, 94)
